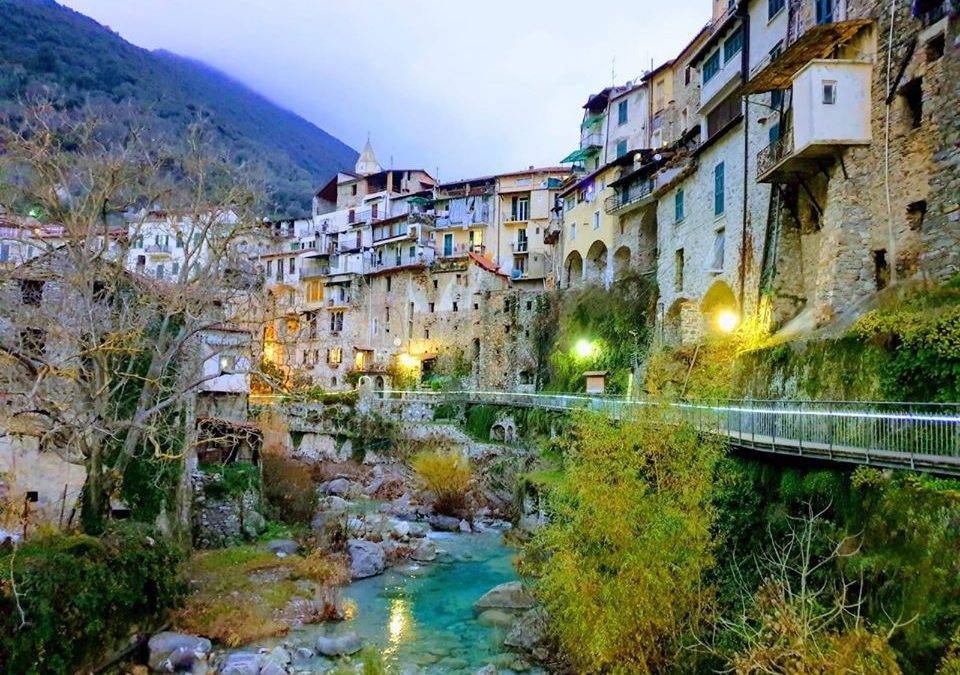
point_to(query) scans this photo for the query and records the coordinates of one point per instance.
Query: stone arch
(378, 383)
(573, 268)
(595, 268)
(621, 262)
(719, 297)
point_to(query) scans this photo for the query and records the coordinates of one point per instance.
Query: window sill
(715, 271)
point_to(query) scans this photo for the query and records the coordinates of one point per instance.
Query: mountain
(47, 47)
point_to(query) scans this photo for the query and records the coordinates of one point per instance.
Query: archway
(718, 303)
(573, 268)
(621, 262)
(596, 265)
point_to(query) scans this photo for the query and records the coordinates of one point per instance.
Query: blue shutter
(718, 199)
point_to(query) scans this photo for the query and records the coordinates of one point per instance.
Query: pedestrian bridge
(916, 436)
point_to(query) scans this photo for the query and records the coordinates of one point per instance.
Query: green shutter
(718, 199)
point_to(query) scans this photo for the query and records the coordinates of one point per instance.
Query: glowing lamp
(727, 320)
(584, 348)
(408, 360)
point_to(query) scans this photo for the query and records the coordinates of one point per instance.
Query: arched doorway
(573, 268)
(719, 307)
(621, 262)
(596, 265)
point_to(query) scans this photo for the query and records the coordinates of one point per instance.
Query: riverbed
(420, 616)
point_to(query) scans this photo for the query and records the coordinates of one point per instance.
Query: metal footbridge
(915, 436)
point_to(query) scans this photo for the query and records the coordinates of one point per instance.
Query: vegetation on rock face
(616, 323)
(288, 489)
(245, 593)
(447, 475)
(628, 544)
(64, 598)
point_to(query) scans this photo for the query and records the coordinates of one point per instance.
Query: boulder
(496, 617)
(241, 663)
(529, 634)
(339, 646)
(444, 523)
(464, 527)
(426, 551)
(367, 558)
(172, 652)
(283, 547)
(401, 529)
(275, 662)
(335, 503)
(511, 595)
(341, 487)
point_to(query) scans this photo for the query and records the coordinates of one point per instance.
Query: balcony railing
(314, 272)
(519, 246)
(632, 194)
(460, 250)
(587, 140)
(775, 153)
(157, 248)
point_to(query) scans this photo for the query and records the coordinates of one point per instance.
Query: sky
(459, 89)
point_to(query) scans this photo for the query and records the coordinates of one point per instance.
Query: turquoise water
(420, 617)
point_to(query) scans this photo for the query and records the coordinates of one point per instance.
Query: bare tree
(98, 359)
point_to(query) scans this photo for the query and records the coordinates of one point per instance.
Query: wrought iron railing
(629, 195)
(905, 435)
(776, 152)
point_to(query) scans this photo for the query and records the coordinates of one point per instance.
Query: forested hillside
(47, 49)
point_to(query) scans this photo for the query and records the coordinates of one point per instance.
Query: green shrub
(446, 411)
(288, 489)
(479, 420)
(232, 480)
(81, 595)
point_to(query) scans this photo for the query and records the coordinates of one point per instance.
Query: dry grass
(244, 593)
(447, 475)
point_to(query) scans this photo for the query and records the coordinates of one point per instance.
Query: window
(916, 211)
(389, 283)
(732, 45)
(4, 252)
(448, 244)
(881, 269)
(774, 133)
(175, 269)
(436, 282)
(678, 270)
(621, 148)
(774, 7)
(336, 322)
(179, 240)
(456, 307)
(334, 356)
(573, 230)
(678, 206)
(934, 48)
(432, 307)
(718, 190)
(596, 220)
(353, 189)
(711, 66)
(141, 262)
(519, 208)
(622, 112)
(269, 267)
(687, 75)
(829, 92)
(426, 333)
(824, 11)
(776, 99)
(912, 95)
(160, 271)
(31, 291)
(718, 250)
(292, 265)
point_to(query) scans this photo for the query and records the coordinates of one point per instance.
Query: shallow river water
(420, 617)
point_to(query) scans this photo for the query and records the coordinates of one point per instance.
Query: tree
(628, 543)
(96, 359)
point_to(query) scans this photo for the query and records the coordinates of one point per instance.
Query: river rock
(488, 669)
(335, 503)
(282, 547)
(367, 558)
(339, 646)
(171, 652)
(241, 663)
(340, 487)
(401, 529)
(529, 634)
(511, 595)
(444, 523)
(426, 551)
(464, 527)
(275, 662)
(496, 617)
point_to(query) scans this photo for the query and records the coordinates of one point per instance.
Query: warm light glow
(727, 320)
(358, 361)
(408, 360)
(584, 348)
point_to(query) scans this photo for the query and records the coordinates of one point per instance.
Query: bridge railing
(911, 434)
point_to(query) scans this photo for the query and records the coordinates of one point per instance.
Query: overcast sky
(471, 88)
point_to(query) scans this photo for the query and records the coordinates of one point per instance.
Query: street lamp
(584, 349)
(727, 320)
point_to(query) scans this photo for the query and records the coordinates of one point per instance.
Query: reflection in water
(397, 625)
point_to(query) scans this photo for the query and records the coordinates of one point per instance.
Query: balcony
(461, 250)
(157, 248)
(635, 194)
(520, 246)
(593, 139)
(400, 230)
(823, 121)
(314, 272)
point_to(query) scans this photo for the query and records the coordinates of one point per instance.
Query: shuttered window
(718, 188)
